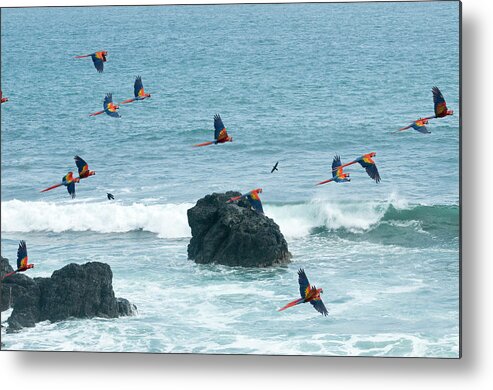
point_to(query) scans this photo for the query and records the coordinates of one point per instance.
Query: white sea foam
(170, 220)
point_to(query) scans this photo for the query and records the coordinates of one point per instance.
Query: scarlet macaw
(110, 108)
(99, 58)
(338, 175)
(138, 92)
(220, 134)
(418, 125)
(3, 99)
(367, 162)
(275, 167)
(308, 294)
(253, 198)
(68, 181)
(441, 109)
(22, 260)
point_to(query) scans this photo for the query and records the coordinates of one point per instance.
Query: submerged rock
(78, 291)
(233, 234)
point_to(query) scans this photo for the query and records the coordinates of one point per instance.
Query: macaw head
(76, 179)
(372, 154)
(91, 173)
(147, 95)
(450, 112)
(230, 139)
(29, 266)
(259, 190)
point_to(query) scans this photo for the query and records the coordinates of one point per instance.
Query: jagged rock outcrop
(74, 291)
(234, 234)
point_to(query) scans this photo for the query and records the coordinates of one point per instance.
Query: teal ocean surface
(293, 83)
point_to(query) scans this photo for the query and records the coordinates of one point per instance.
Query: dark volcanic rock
(234, 234)
(80, 291)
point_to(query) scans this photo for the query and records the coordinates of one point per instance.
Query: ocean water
(293, 83)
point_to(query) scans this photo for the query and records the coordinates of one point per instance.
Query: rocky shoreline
(74, 291)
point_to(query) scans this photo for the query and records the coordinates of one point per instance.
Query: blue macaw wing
(22, 255)
(138, 86)
(114, 114)
(336, 163)
(303, 282)
(319, 306)
(439, 102)
(98, 63)
(255, 202)
(421, 128)
(71, 189)
(107, 100)
(218, 126)
(81, 165)
(371, 170)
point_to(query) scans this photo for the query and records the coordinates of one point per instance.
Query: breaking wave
(294, 220)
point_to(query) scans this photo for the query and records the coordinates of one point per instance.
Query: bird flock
(308, 292)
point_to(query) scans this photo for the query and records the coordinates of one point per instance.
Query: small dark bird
(110, 196)
(275, 167)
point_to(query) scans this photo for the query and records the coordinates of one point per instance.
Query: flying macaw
(83, 168)
(110, 108)
(220, 134)
(367, 162)
(253, 198)
(68, 181)
(22, 260)
(308, 294)
(138, 92)
(3, 99)
(275, 167)
(418, 125)
(441, 109)
(338, 175)
(99, 58)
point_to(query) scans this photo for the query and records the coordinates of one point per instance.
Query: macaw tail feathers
(291, 304)
(9, 274)
(128, 101)
(203, 144)
(88, 55)
(52, 187)
(233, 199)
(324, 182)
(96, 113)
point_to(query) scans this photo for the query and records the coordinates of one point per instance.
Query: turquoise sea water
(293, 83)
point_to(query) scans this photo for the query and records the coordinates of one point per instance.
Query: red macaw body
(308, 294)
(418, 125)
(109, 107)
(220, 134)
(366, 161)
(139, 93)
(98, 58)
(338, 174)
(3, 99)
(83, 168)
(68, 181)
(253, 198)
(22, 260)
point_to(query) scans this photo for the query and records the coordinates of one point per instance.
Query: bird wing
(439, 102)
(138, 87)
(319, 306)
(219, 129)
(97, 59)
(71, 189)
(109, 107)
(22, 255)
(336, 163)
(255, 201)
(420, 126)
(81, 166)
(304, 283)
(370, 167)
